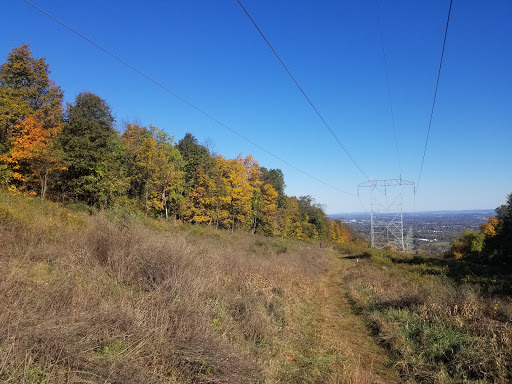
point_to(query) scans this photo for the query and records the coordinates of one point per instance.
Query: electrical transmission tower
(386, 207)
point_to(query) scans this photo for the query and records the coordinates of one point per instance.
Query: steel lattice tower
(386, 207)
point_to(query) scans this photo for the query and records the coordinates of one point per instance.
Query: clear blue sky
(209, 53)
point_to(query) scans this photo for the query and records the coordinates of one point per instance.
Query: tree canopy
(78, 156)
(89, 142)
(26, 89)
(492, 243)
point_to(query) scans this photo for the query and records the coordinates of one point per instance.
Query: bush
(469, 245)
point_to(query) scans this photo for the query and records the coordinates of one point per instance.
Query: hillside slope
(119, 298)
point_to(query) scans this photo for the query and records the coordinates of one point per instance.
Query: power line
(301, 90)
(184, 100)
(389, 88)
(435, 93)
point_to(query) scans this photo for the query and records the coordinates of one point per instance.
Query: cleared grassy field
(118, 298)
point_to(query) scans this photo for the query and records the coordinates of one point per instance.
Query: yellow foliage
(240, 178)
(489, 228)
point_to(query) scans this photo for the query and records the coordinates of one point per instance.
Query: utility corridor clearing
(364, 361)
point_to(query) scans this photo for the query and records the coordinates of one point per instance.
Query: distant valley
(429, 231)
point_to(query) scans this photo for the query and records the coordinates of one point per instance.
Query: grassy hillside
(115, 297)
(118, 298)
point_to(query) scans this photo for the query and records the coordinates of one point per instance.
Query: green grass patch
(435, 317)
(113, 348)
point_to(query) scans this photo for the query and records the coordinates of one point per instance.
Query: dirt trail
(363, 360)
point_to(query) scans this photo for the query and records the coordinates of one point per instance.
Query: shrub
(470, 244)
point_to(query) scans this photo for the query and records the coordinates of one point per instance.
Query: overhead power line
(435, 93)
(184, 100)
(301, 90)
(388, 86)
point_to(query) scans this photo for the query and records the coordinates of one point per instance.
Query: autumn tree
(275, 178)
(469, 245)
(241, 178)
(489, 228)
(34, 154)
(91, 152)
(269, 197)
(313, 218)
(26, 90)
(492, 244)
(289, 221)
(221, 198)
(154, 171)
(200, 207)
(337, 232)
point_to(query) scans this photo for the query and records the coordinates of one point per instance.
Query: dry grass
(437, 328)
(117, 299)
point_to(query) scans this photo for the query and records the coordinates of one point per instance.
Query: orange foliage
(32, 153)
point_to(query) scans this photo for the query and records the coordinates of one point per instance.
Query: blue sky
(209, 53)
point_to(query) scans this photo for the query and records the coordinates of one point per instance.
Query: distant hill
(479, 212)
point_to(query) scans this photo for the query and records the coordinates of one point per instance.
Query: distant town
(424, 232)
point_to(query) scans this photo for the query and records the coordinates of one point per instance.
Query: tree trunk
(164, 203)
(146, 199)
(254, 226)
(45, 186)
(43, 181)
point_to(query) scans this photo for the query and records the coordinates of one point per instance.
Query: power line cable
(435, 93)
(301, 90)
(184, 100)
(388, 86)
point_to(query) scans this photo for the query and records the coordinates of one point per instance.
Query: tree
(91, 152)
(275, 178)
(492, 244)
(503, 239)
(469, 245)
(154, 168)
(313, 218)
(199, 206)
(241, 178)
(194, 156)
(289, 221)
(269, 209)
(26, 89)
(337, 232)
(34, 153)
(489, 228)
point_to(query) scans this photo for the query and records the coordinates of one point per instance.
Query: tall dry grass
(122, 299)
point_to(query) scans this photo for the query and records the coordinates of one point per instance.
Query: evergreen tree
(194, 156)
